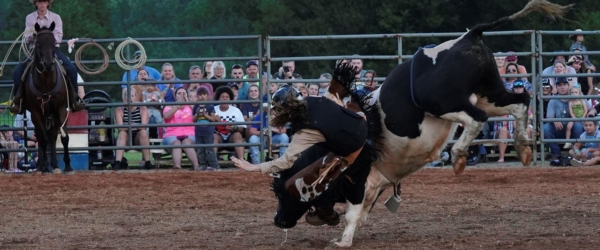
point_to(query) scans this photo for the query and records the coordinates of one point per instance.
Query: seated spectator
(560, 58)
(580, 67)
(313, 89)
(272, 89)
(218, 72)
(192, 95)
(234, 89)
(512, 68)
(139, 116)
(19, 124)
(279, 135)
(577, 109)
(207, 70)
(152, 95)
(250, 110)
(512, 59)
(7, 141)
(252, 75)
(578, 45)
(561, 68)
(558, 108)
(238, 73)
(166, 89)
(228, 113)
(184, 135)
(546, 91)
(370, 85)
(303, 91)
(204, 114)
(195, 73)
(297, 85)
(586, 153)
(132, 74)
(505, 129)
(324, 86)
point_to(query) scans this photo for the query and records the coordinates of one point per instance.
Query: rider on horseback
(44, 17)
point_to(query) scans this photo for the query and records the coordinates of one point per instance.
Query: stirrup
(16, 108)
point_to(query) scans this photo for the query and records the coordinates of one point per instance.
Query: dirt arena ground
(484, 208)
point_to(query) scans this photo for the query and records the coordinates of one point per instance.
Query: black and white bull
(423, 100)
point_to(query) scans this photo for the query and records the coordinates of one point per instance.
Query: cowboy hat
(574, 36)
(33, 1)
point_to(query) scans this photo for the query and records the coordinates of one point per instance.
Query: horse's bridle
(40, 55)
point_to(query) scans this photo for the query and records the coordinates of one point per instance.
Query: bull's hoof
(343, 244)
(70, 172)
(459, 165)
(56, 171)
(526, 156)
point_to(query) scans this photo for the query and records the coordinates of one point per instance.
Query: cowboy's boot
(76, 103)
(15, 107)
(323, 215)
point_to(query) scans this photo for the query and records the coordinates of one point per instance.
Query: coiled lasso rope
(24, 47)
(121, 59)
(85, 69)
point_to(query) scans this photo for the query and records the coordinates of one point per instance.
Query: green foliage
(200, 18)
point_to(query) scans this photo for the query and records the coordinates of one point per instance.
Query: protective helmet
(281, 94)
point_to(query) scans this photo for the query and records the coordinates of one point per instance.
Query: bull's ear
(37, 27)
(52, 26)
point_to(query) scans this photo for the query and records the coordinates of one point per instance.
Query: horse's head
(44, 47)
(289, 209)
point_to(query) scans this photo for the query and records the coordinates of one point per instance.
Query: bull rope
(125, 63)
(412, 62)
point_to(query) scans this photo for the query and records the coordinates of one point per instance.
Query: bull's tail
(548, 9)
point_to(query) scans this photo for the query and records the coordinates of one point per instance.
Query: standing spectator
(500, 61)
(152, 72)
(138, 116)
(195, 73)
(324, 86)
(559, 108)
(166, 89)
(512, 59)
(238, 73)
(580, 67)
(204, 132)
(287, 71)
(578, 45)
(586, 153)
(313, 89)
(250, 110)
(279, 135)
(228, 113)
(577, 109)
(184, 135)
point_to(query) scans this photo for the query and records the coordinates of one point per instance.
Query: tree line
(185, 18)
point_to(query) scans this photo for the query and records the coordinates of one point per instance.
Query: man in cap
(44, 18)
(559, 108)
(152, 72)
(578, 45)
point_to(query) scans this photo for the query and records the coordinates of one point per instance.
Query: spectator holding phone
(184, 135)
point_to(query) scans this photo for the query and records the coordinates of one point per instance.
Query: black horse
(46, 97)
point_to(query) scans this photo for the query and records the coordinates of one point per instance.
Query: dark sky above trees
(177, 18)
